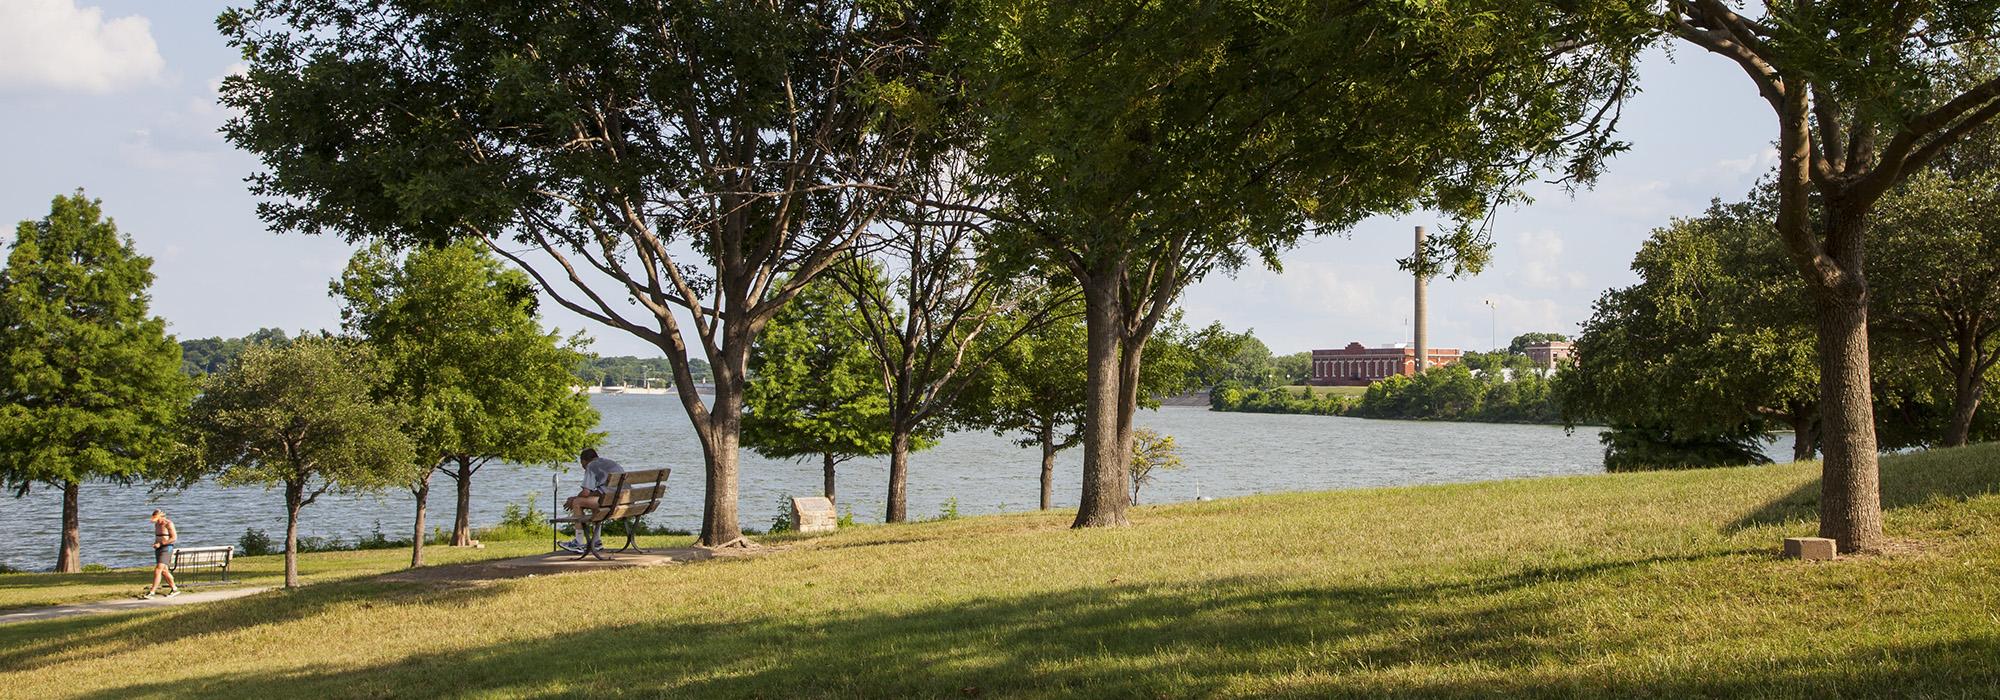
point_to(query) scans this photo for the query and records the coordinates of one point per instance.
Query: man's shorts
(163, 555)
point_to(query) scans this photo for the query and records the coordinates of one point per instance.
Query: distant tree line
(626, 370)
(1503, 386)
(201, 356)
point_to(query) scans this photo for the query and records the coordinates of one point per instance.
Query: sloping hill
(1636, 584)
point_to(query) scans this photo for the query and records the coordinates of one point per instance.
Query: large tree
(303, 417)
(1937, 271)
(93, 388)
(815, 390)
(468, 360)
(1866, 93)
(1710, 346)
(703, 161)
(1140, 147)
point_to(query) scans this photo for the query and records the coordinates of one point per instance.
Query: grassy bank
(1657, 584)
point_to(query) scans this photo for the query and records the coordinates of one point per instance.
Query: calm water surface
(1228, 454)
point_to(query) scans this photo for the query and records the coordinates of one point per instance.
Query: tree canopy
(303, 417)
(815, 390)
(92, 387)
(467, 359)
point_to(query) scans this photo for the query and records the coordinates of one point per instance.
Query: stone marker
(814, 514)
(1809, 548)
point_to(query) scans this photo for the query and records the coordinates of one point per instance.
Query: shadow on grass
(1907, 480)
(29, 645)
(1105, 641)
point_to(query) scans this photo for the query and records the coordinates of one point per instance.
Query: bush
(783, 522)
(95, 568)
(254, 543)
(948, 510)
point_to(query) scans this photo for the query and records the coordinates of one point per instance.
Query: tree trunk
(461, 524)
(899, 477)
(1967, 387)
(826, 475)
(1805, 438)
(1104, 499)
(1048, 439)
(1850, 510)
(423, 493)
(721, 445)
(294, 494)
(69, 557)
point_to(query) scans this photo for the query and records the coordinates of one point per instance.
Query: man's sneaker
(148, 596)
(571, 546)
(173, 592)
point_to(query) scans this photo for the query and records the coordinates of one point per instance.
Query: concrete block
(814, 514)
(1809, 548)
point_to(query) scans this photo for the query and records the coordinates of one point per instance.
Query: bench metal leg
(631, 537)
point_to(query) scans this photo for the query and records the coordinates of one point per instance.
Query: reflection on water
(1227, 454)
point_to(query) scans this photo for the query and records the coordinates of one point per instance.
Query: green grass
(23, 590)
(1659, 584)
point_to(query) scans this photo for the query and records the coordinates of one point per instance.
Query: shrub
(95, 568)
(254, 543)
(948, 510)
(783, 521)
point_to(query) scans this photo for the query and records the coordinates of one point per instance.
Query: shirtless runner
(164, 537)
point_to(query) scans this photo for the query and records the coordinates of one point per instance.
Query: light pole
(1493, 325)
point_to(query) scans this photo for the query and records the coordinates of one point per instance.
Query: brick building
(1550, 354)
(1356, 365)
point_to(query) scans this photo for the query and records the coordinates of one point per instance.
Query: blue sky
(118, 98)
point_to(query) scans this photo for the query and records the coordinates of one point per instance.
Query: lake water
(1228, 454)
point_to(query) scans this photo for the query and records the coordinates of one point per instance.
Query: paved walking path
(474, 573)
(125, 605)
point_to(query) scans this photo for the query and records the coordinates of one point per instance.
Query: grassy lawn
(22, 590)
(1660, 584)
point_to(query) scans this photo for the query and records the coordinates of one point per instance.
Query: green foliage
(1280, 400)
(948, 510)
(466, 356)
(1714, 341)
(782, 522)
(1519, 345)
(626, 370)
(1648, 449)
(303, 417)
(815, 389)
(1935, 273)
(209, 355)
(1152, 453)
(92, 387)
(254, 543)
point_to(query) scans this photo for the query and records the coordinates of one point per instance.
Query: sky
(118, 98)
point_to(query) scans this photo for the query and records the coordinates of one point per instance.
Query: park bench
(192, 558)
(628, 496)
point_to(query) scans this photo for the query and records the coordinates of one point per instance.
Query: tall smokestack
(1423, 343)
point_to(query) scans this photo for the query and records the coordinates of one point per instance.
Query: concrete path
(187, 597)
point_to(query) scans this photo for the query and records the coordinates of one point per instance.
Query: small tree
(93, 387)
(1152, 453)
(815, 391)
(303, 417)
(468, 359)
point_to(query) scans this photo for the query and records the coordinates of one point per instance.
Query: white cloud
(1322, 287)
(1541, 258)
(56, 45)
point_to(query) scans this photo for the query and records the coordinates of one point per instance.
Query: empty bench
(628, 496)
(199, 558)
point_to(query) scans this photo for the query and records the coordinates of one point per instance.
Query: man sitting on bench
(596, 471)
